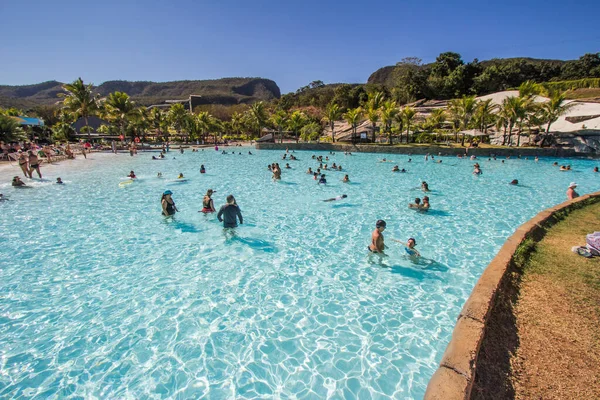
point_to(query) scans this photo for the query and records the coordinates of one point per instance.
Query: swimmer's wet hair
(380, 223)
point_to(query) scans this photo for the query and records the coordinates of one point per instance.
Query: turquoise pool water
(101, 297)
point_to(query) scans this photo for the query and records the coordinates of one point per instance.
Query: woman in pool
(24, 163)
(34, 164)
(346, 179)
(207, 203)
(396, 169)
(202, 169)
(168, 205)
(310, 171)
(131, 175)
(425, 187)
(425, 205)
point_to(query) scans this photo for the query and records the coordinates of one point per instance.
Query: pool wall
(455, 376)
(424, 149)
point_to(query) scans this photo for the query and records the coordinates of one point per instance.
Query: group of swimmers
(228, 214)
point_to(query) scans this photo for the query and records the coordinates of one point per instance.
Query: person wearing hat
(168, 205)
(377, 245)
(208, 205)
(571, 193)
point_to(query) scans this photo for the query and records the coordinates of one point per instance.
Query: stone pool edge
(455, 375)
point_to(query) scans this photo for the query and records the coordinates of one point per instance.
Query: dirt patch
(543, 341)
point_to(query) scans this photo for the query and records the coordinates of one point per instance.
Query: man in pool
(337, 198)
(571, 193)
(377, 242)
(230, 211)
(59, 181)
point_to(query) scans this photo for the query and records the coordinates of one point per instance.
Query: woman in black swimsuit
(208, 205)
(34, 164)
(168, 205)
(23, 163)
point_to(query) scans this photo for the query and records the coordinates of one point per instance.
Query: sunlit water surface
(101, 297)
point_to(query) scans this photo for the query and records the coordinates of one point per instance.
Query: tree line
(354, 104)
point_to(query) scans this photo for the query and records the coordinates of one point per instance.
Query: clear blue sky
(291, 42)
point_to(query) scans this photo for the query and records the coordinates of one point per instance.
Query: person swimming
(309, 171)
(322, 180)
(409, 247)
(131, 175)
(202, 169)
(59, 181)
(17, 182)
(425, 186)
(396, 169)
(287, 166)
(180, 176)
(346, 179)
(514, 182)
(159, 175)
(337, 198)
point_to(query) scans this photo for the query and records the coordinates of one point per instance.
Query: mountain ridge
(229, 91)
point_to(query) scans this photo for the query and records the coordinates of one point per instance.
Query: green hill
(218, 91)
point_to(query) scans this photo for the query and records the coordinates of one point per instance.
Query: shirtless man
(571, 193)
(377, 245)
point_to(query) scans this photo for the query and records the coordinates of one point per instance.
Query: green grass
(554, 259)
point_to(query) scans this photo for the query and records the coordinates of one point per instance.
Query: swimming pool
(102, 297)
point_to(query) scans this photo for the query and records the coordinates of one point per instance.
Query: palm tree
(140, 122)
(177, 116)
(554, 109)
(529, 89)
(332, 114)
(296, 121)
(157, 120)
(258, 115)
(80, 101)
(203, 123)
(408, 114)
(484, 114)
(513, 109)
(375, 100)
(463, 110)
(435, 120)
(353, 116)
(279, 120)
(399, 118)
(10, 130)
(237, 122)
(373, 116)
(388, 113)
(119, 109)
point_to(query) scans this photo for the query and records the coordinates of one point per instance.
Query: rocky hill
(217, 91)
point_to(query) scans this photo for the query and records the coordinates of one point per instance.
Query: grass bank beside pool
(545, 342)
